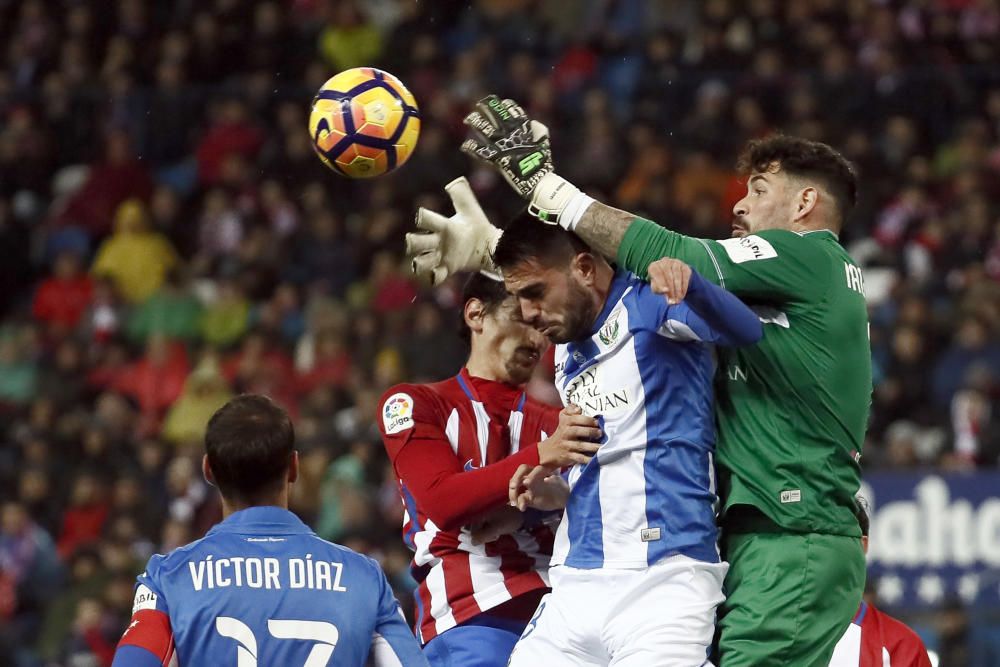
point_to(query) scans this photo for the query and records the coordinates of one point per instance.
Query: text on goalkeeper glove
(502, 134)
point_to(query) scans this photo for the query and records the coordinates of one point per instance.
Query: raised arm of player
(776, 265)
(425, 462)
(695, 308)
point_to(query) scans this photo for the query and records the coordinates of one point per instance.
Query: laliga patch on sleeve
(748, 249)
(397, 413)
(144, 599)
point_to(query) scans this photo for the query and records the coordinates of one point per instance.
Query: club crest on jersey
(397, 413)
(609, 332)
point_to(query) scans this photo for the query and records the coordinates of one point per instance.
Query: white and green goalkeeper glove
(502, 134)
(463, 242)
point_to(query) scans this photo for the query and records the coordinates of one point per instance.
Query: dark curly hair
(812, 160)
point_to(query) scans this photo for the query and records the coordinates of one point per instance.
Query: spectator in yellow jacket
(134, 257)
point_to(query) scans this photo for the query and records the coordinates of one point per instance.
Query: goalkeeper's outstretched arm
(622, 237)
(604, 227)
(502, 135)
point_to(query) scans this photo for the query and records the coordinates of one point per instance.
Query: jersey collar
(476, 389)
(820, 231)
(268, 520)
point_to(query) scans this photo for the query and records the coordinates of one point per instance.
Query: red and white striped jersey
(454, 446)
(875, 639)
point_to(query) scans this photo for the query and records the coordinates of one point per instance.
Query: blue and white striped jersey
(646, 374)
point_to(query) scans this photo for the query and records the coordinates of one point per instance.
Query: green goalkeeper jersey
(792, 409)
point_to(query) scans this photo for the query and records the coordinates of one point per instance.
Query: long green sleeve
(774, 265)
(645, 242)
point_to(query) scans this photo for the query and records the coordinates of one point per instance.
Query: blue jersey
(262, 589)
(645, 373)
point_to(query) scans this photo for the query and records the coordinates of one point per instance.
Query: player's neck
(803, 226)
(480, 366)
(233, 505)
(605, 275)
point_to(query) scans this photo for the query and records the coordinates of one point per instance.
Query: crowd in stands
(169, 238)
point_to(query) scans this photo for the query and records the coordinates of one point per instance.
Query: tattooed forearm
(603, 227)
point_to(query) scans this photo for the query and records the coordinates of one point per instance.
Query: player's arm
(393, 644)
(695, 309)
(148, 641)
(502, 135)
(903, 644)
(422, 457)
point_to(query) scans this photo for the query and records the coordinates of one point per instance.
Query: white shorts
(661, 616)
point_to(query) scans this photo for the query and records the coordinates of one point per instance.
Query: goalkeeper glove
(463, 242)
(502, 135)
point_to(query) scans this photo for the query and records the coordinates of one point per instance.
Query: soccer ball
(364, 123)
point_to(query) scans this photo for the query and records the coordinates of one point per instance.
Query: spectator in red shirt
(155, 381)
(260, 368)
(330, 366)
(84, 520)
(62, 298)
(232, 132)
(120, 176)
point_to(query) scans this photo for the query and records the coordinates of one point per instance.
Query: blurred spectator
(348, 40)
(232, 133)
(30, 573)
(346, 504)
(155, 381)
(62, 378)
(136, 258)
(61, 299)
(18, 367)
(86, 512)
(972, 347)
(227, 317)
(119, 178)
(171, 311)
(260, 367)
(205, 391)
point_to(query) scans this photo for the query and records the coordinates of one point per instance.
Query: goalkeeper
(791, 409)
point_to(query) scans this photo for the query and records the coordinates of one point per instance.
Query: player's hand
(501, 134)
(671, 278)
(575, 440)
(463, 242)
(502, 521)
(538, 487)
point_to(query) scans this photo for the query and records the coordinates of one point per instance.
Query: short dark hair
(249, 442)
(808, 159)
(489, 291)
(526, 238)
(861, 511)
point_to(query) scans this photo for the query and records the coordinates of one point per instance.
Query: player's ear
(585, 266)
(474, 313)
(805, 202)
(206, 470)
(293, 467)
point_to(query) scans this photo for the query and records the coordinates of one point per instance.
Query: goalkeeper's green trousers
(789, 596)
